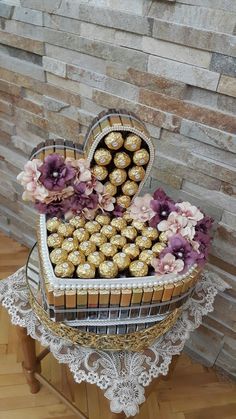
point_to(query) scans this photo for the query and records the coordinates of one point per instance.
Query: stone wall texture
(171, 62)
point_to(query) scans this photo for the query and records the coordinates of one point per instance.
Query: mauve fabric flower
(54, 209)
(55, 174)
(181, 249)
(29, 179)
(167, 264)
(177, 224)
(106, 202)
(118, 211)
(59, 195)
(203, 249)
(189, 211)
(78, 202)
(162, 205)
(82, 167)
(140, 208)
(204, 224)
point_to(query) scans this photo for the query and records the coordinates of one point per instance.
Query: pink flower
(168, 264)
(59, 195)
(29, 179)
(83, 168)
(141, 209)
(177, 224)
(106, 202)
(189, 211)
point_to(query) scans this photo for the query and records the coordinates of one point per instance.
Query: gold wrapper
(102, 157)
(65, 229)
(138, 268)
(136, 173)
(86, 270)
(118, 176)
(64, 269)
(110, 188)
(139, 225)
(98, 239)
(108, 269)
(87, 247)
(122, 260)
(157, 248)
(124, 201)
(141, 157)
(108, 231)
(143, 242)
(119, 223)
(118, 240)
(100, 172)
(129, 232)
(77, 221)
(96, 258)
(108, 249)
(130, 188)
(126, 217)
(163, 238)
(103, 219)
(150, 232)
(131, 250)
(55, 240)
(58, 256)
(147, 256)
(132, 142)
(81, 234)
(114, 140)
(53, 224)
(70, 244)
(92, 227)
(122, 160)
(76, 257)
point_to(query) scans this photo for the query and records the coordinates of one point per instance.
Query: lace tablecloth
(122, 375)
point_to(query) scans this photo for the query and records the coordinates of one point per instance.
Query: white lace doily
(123, 375)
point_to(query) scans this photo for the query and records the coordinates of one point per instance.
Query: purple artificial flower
(54, 209)
(181, 249)
(79, 202)
(162, 205)
(204, 225)
(204, 244)
(55, 174)
(118, 211)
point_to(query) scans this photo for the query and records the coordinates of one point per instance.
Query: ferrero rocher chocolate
(124, 201)
(147, 256)
(114, 140)
(53, 224)
(87, 247)
(129, 232)
(132, 250)
(122, 260)
(96, 258)
(143, 242)
(139, 225)
(76, 257)
(122, 160)
(102, 157)
(118, 176)
(127, 218)
(119, 223)
(132, 142)
(118, 240)
(150, 232)
(98, 239)
(55, 240)
(136, 173)
(157, 248)
(110, 188)
(130, 188)
(65, 229)
(108, 231)
(108, 249)
(86, 270)
(138, 268)
(100, 172)
(58, 255)
(77, 221)
(64, 269)
(70, 244)
(163, 238)
(81, 234)
(108, 269)
(141, 157)
(92, 227)
(103, 219)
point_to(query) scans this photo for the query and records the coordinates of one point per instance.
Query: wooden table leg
(29, 364)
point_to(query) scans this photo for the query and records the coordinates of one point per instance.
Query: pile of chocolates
(104, 248)
(120, 162)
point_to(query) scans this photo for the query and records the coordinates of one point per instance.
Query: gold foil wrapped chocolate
(118, 176)
(118, 240)
(110, 188)
(108, 269)
(141, 157)
(103, 219)
(129, 232)
(122, 260)
(98, 239)
(127, 218)
(96, 258)
(124, 201)
(143, 242)
(136, 173)
(81, 234)
(132, 250)
(108, 249)
(55, 240)
(102, 157)
(86, 271)
(53, 224)
(138, 268)
(139, 225)
(157, 248)
(92, 227)
(132, 142)
(77, 221)
(119, 223)
(76, 257)
(147, 256)
(100, 172)
(150, 232)
(64, 269)
(130, 188)
(114, 140)
(65, 229)
(87, 247)
(58, 256)
(70, 244)
(163, 237)
(122, 160)
(108, 231)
